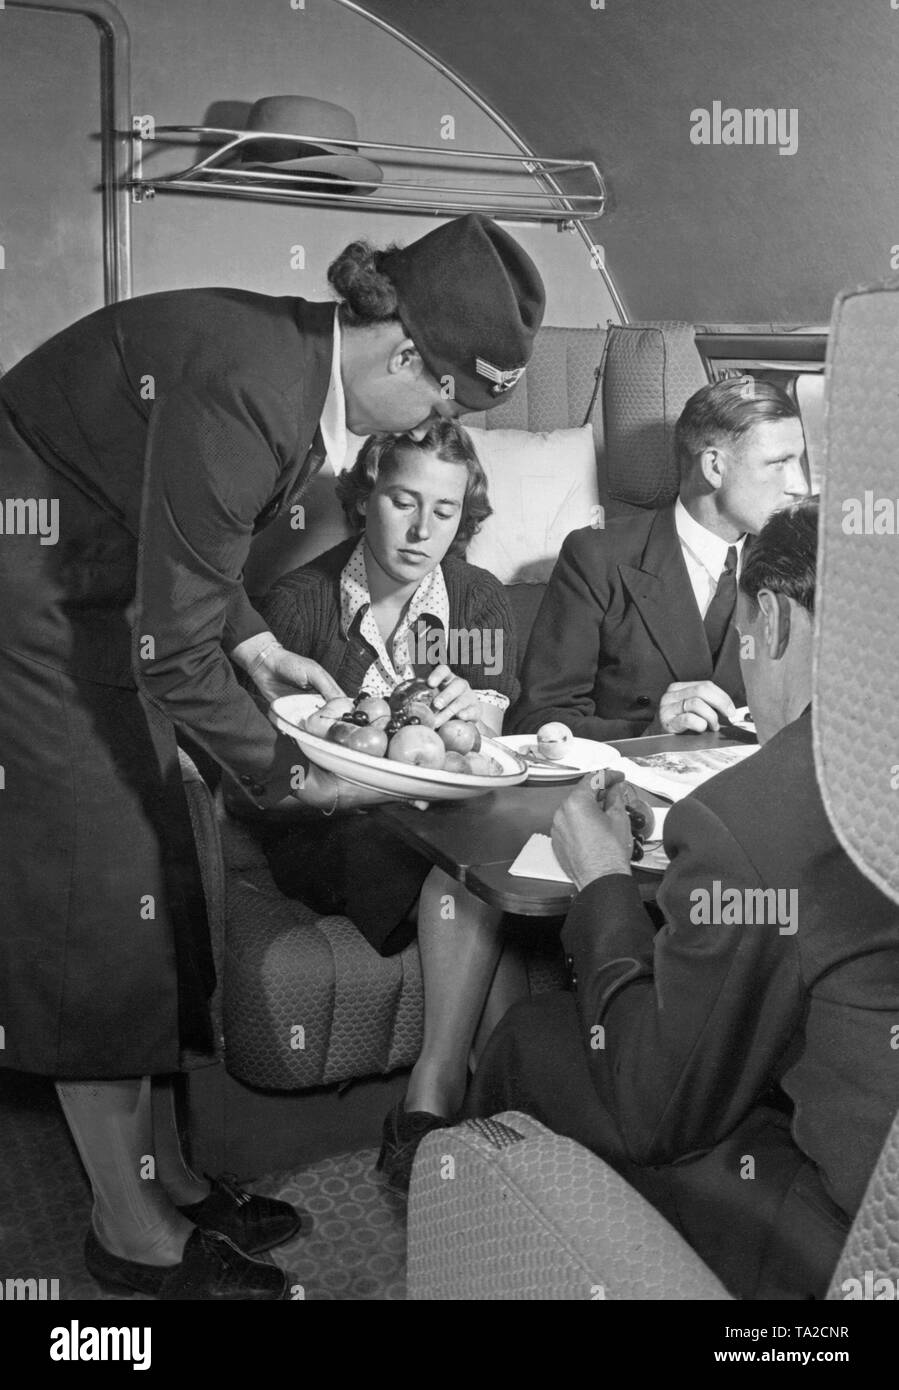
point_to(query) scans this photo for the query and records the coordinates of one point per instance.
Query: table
(476, 841)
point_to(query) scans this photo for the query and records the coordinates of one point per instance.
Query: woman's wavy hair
(367, 295)
(378, 457)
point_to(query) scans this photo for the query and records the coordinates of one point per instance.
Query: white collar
(430, 597)
(708, 550)
(333, 417)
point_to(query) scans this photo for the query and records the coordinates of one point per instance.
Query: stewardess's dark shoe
(212, 1269)
(254, 1223)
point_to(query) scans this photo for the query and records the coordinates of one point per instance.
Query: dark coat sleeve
(696, 1020)
(214, 456)
(296, 610)
(558, 677)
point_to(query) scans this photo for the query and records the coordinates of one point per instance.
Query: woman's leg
(111, 1124)
(510, 985)
(460, 940)
(180, 1181)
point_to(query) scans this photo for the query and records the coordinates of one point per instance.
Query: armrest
(505, 1209)
(870, 1258)
(202, 807)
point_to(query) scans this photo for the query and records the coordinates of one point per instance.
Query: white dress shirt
(333, 417)
(704, 554)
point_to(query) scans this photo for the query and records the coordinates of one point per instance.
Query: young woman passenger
(360, 611)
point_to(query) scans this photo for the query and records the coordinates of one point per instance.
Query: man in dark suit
(739, 1068)
(635, 632)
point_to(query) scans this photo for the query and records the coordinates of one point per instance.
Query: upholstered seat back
(856, 712)
(631, 382)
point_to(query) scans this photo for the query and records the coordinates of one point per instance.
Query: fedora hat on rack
(302, 118)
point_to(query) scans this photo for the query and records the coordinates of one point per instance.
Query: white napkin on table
(538, 858)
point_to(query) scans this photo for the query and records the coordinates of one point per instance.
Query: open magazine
(675, 775)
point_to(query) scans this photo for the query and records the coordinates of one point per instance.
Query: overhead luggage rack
(216, 174)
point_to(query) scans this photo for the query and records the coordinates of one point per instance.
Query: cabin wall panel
(710, 233)
(51, 230)
(203, 62)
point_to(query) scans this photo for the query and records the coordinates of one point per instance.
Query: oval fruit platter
(395, 751)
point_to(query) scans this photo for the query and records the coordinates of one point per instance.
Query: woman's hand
(280, 672)
(456, 699)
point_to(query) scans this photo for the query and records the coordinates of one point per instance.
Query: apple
(319, 724)
(381, 722)
(478, 765)
(374, 708)
(460, 736)
(341, 732)
(336, 708)
(454, 762)
(365, 739)
(418, 745)
(416, 709)
(414, 689)
(637, 806)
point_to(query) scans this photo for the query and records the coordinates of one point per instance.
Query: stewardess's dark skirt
(349, 864)
(105, 965)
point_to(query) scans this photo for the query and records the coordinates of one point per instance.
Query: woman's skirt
(351, 865)
(105, 962)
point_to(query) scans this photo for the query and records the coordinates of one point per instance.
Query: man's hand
(280, 672)
(692, 706)
(591, 831)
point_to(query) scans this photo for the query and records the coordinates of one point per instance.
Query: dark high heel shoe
(403, 1132)
(212, 1268)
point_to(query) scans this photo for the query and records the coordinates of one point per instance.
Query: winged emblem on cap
(502, 381)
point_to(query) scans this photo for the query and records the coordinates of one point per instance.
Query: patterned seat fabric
(531, 1215)
(651, 371)
(307, 1001)
(857, 657)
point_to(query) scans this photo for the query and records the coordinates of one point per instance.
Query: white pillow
(541, 487)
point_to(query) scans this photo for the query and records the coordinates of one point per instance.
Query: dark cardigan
(303, 611)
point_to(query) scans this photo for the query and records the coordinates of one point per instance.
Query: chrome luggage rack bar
(212, 175)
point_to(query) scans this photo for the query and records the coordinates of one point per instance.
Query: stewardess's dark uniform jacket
(166, 429)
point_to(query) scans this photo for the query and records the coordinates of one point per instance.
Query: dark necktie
(307, 470)
(721, 608)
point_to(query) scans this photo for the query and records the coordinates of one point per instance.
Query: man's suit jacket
(701, 1019)
(185, 421)
(618, 623)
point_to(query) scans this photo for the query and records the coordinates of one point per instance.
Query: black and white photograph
(449, 742)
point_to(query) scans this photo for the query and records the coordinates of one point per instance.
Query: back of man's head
(783, 556)
(723, 413)
(775, 617)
